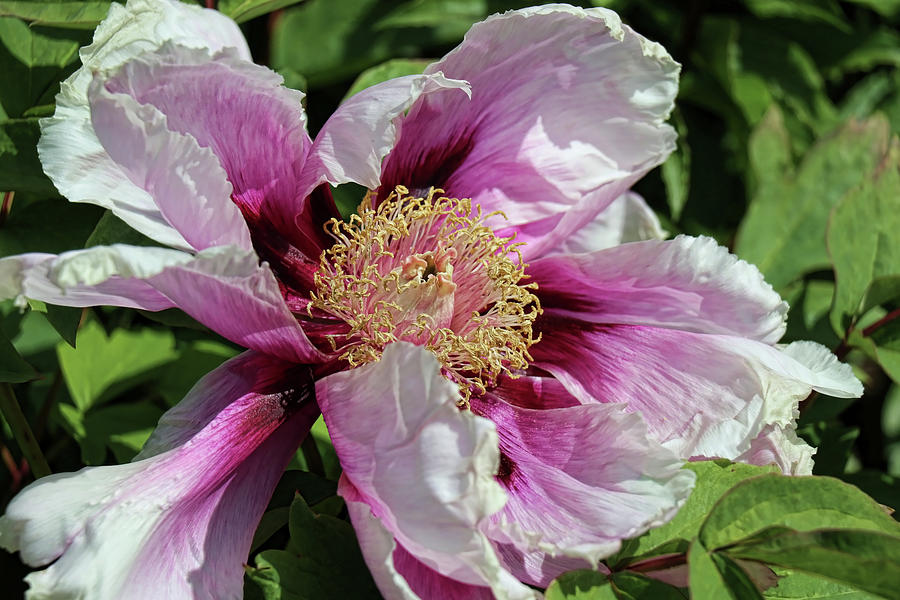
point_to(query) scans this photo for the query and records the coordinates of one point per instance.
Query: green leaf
(676, 171)
(867, 560)
(582, 584)
(13, 368)
(786, 239)
(20, 168)
(39, 225)
(801, 586)
(110, 229)
(103, 365)
(714, 478)
(801, 503)
(716, 577)
(456, 14)
(123, 428)
(34, 60)
(341, 33)
(64, 319)
(864, 241)
(397, 67)
(244, 10)
(824, 11)
(67, 15)
(322, 560)
(633, 586)
(834, 442)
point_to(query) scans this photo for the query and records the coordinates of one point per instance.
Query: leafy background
(788, 115)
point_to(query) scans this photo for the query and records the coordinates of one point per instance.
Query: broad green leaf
(13, 368)
(456, 14)
(800, 503)
(865, 96)
(110, 229)
(676, 171)
(271, 522)
(834, 442)
(64, 319)
(34, 60)
(123, 428)
(825, 11)
(20, 169)
(888, 8)
(783, 232)
(322, 560)
(580, 585)
(864, 241)
(633, 586)
(104, 364)
(244, 10)
(397, 67)
(716, 577)
(795, 585)
(68, 15)
(867, 560)
(714, 478)
(195, 360)
(51, 225)
(769, 151)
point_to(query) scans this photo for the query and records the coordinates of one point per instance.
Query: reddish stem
(658, 563)
(211, 4)
(880, 322)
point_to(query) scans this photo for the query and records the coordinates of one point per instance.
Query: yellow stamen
(395, 273)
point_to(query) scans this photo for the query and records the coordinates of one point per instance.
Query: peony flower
(511, 389)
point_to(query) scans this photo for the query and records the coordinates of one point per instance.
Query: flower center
(427, 271)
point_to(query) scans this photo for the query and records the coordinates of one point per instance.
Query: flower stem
(13, 414)
(880, 322)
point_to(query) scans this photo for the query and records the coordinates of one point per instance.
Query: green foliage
(65, 15)
(397, 67)
(244, 10)
(322, 560)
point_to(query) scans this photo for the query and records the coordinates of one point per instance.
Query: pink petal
(780, 446)
(185, 181)
(355, 139)
(70, 152)
(701, 395)
(177, 525)
(224, 288)
(627, 219)
(396, 421)
(566, 113)
(241, 112)
(580, 479)
(692, 284)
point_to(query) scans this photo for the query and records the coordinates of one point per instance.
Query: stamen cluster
(427, 270)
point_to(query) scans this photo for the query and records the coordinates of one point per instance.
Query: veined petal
(177, 525)
(627, 219)
(185, 181)
(701, 395)
(692, 284)
(567, 111)
(223, 287)
(780, 446)
(242, 113)
(580, 479)
(361, 132)
(396, 421)
(70, 152)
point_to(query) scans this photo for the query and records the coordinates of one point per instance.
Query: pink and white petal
(580, 479)
(185, 181)
(241, 112)
(567, 112)
(398, 574)
(688, 283)
(70, 152)
(224, 288)
(627, 219)
(780, 446)
(177, 525)
(539, 568)
(214, 392)
(701, 395)
(395, 421)
(362, 131)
